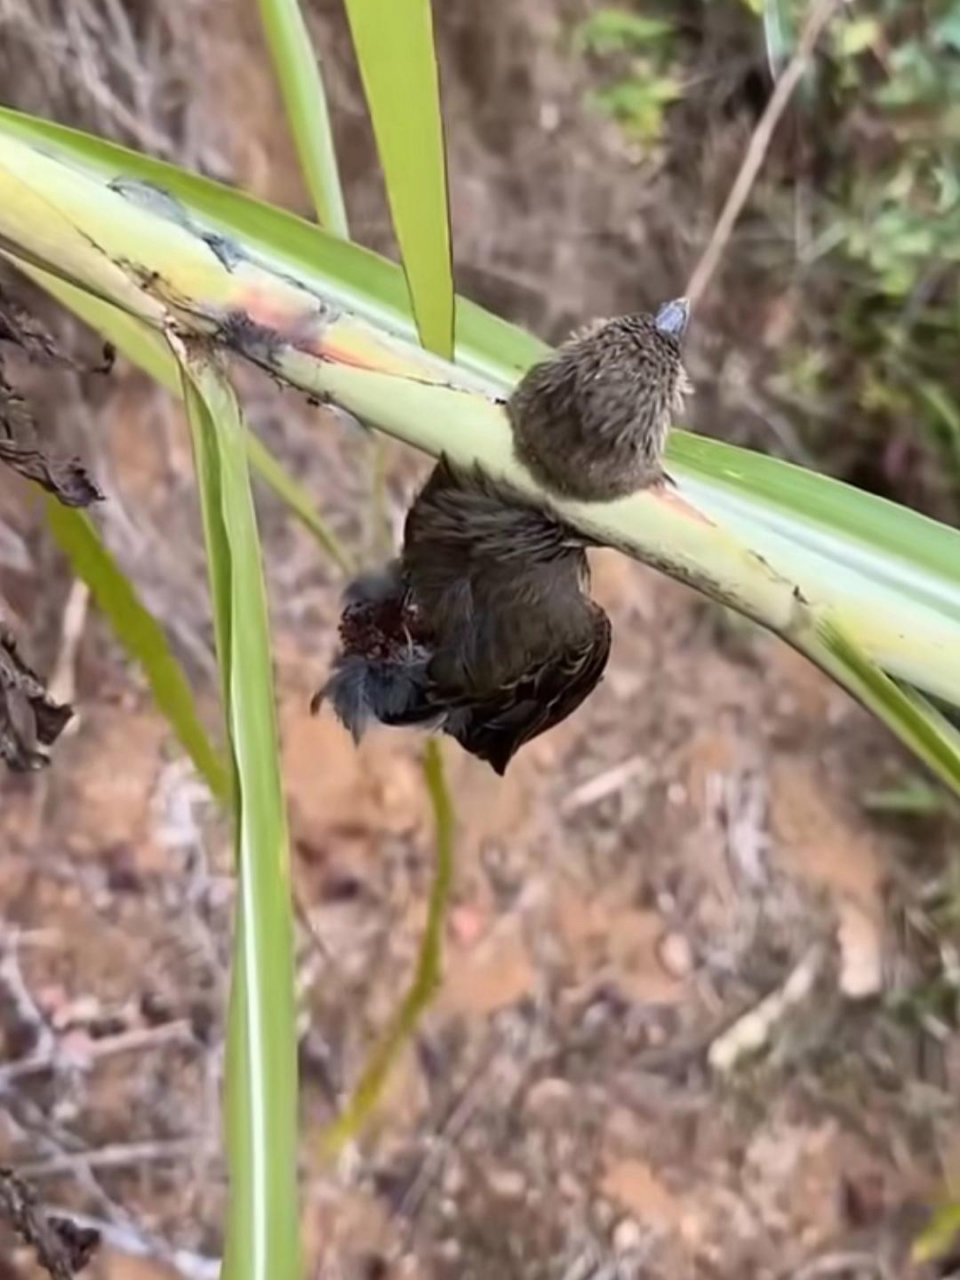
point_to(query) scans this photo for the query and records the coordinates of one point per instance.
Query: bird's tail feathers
(362, 689)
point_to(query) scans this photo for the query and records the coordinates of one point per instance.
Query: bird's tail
(362, 689)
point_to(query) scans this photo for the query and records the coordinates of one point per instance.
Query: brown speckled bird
(590, 422)
(482, 628)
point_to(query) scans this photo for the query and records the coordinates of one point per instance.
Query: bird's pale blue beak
(672, 317)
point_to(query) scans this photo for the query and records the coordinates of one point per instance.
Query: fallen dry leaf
(63, 1249)
(65, 478)
(19, 683)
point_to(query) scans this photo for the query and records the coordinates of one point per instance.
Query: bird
(590, 422)
(482, 627)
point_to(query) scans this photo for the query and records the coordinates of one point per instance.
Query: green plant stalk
(429, 970)
(145, 348)
(139, 633)
(939, 1235)
(856, 532)
(301, 85)
(351, 279)
(716, 533)
(261, 1091)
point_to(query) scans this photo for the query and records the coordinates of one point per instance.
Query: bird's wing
(495, 726)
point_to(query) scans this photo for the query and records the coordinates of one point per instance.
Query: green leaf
(856, 35)
(638, 103)
(616, 31)
(301, 83)
(394, 45)
(350, 276)
(779, 33)
(761, 536)
(261, 1085)
(940, 1235)
(834, 540)
(429, 965)
(913, 797)
(139, 633)
(917, 723)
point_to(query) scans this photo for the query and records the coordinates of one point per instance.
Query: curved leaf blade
(261, 1103)
(361, 281)
(928, 734)
(716, 535)
(429, 968)
(398, 64)
(301, 84)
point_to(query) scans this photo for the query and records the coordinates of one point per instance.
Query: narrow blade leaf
(394, 44)
(429, 968)
(301, 83)
(261, 1057)
(140, 634)
(917, 723)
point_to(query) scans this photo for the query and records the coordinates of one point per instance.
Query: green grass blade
(140, 634)
(429, 969)
(779, 33)
(261, 1104)
(940, 1235)
(716, 531)
(394, 45)
(903, 547)
(206, 465)
(301, 84)
(819, 531)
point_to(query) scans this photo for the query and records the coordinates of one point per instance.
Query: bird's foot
(662, 481)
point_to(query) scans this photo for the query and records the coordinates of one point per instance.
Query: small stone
(861, 953)
(549, 1097)
(676, 955)
(506, 1184)
(627, 1236)
(568, 1186)
(549, 117)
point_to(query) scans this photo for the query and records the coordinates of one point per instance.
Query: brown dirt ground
(691, 842)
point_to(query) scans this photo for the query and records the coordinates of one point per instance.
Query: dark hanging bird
(482, 628)
(591, 421)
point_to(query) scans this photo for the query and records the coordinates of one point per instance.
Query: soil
(697, 1020)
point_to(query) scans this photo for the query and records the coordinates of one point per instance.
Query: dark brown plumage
(591, 421)
(482, 628)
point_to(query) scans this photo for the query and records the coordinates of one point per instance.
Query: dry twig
(756, 152)
(62, 1248)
